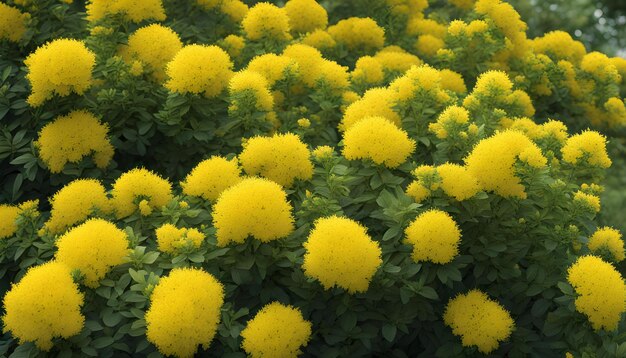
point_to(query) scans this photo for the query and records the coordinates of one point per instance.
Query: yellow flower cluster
(358, 34)
(452, 123)
(211, 177)
(69, 138)
(8, 216)
(494, 90)
(340, 253)
(12, 23)
(43, 305)
(455, 181)
(306, 15)
(235, 9)
(435, 237)
(185, 309)
(59, 67)
(601, 291)
(139, 186)
(75, 202)
(265, 20)
(588, 200)
(559, 45)
(281, 158)
(609, 239)
(314, 69)
(276, 331)
(253, 207)
(379, 140)
(199, 69)
(255, 84)
(493, 159)
(130, 10)
(273, 67)
(478, 320)
(171, 239)
(376, 102)
(507, 20)
(588, 147)
(154, 45)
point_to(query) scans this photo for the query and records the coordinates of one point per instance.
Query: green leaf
(428, 292)
(102, 342)
(389, 331)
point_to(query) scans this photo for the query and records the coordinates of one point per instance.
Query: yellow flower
(368, 70)
(304, 123)
(234, 44)
(429, 44)
(93, 247)
(235, 9)
(434, 236)
(600, 66)
(68, 139)
(609, 239)
(492, 162)
(452, 81)
(136, 185)
(306, 15)
(154, 45)
(358, 33)
(323, 152)
(281, 158)
(255, 84)
(457, 181)
(396, 62)
(43, 305)
(190, 72)
(75, 202)
(59, 67)
(588, 200)
(170, 238)
(308, 60)
(211, 177)
(376, 102)
(588, 147)
(452, 120)
(379, 140)
(480, 321)
(320, 39)
(417, 191)
(276, 331)
(559, 45)
(601, 291)
(340, 253)
(265, 20)
(12, 23)
(273, 67)
(131, 10)
(253, 207)
(185, 310)
(8, 215)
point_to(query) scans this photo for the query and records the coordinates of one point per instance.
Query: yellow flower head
(137, 185)
(323, 152)
(93, 247)
(340, 253)
(559, 45)
(234, 44)
(376, 102)
(235, 9)
(131, 10)
(358, 33)
(273, 67)
(68, 139)
(199, 69)
(254, 83)
(320, 39)
(429, 44)
(492, 162)
(588, 200)
(265, 20)
(281, 158)
(59, 67)
(211, 177)
(8, 215)
(452, 81)
(601, 291)
(154, 45)
(185, 310)
(75, 202)
(308, 60)
(43, 305)
(451, 121)
(368, 70)
(457, 181)
(607, 238)
(600, 66)
(254, 207)
(171, 239)
(276, 331)
(12, 23)
(435, 237)
(379, 140)
(416, 81)
(306, 15)
(588, 147)
(479, 320)
(396, 62)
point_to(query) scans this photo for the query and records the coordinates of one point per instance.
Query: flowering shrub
(326, 178)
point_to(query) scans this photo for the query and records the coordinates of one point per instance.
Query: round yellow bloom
(235, 9)
(308, 60)
(587, 147)
(131, 10)
(276, 331)
(199, 69)
(434, 236)
(377, 139)
(45, 304)
(589, 200)
(255, 83)
(306, 15)
(170, 238)
(265, 20)
(281, 158)
(396, 61)
(211, 177)
(75, 202)
(70, 138)
(273, 67)
(600, 66)
(323, 152)
(154, 45)
(320, 39)
(609, 239)
(93, 247)
(185, 310)
(234, 44)
(457, 181)
(376, 102)
(254, 207)
(358, 33)
(136, 185)
(429, 44)
(560, 46)
(480, 321)
(340, 253)
(368, 70)
(59, 67)
(8, 215)
(492, 162)
(601, 291)
(12, 23)
(452, 81)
